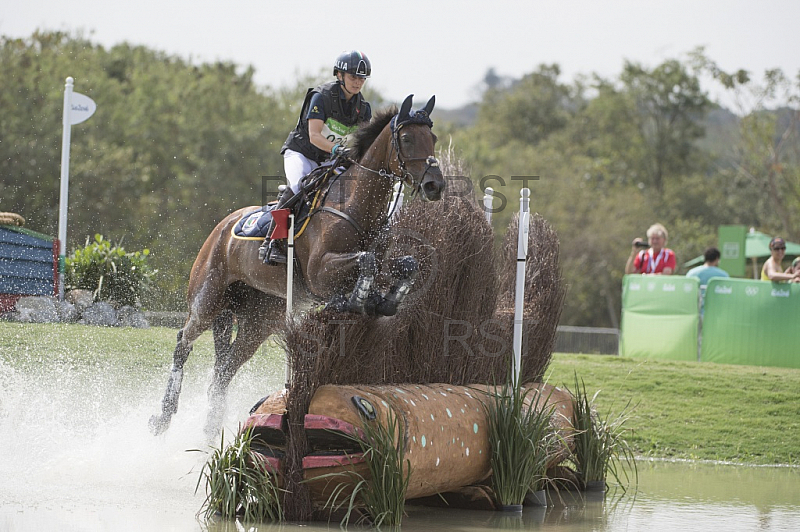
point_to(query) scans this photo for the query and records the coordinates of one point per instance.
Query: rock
(130, 317)
(67, 312)
(100, 313)
(36, 309)
(82, 299)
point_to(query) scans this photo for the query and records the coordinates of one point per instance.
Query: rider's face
(352, 84)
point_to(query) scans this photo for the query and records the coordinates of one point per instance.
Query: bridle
(396, 124)
(406, 177)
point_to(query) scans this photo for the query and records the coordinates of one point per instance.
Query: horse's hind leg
(258, 316)
(222, 329)
(193, 328)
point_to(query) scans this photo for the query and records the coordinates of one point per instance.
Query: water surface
(76, 455)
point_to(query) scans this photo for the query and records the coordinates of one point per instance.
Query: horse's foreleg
(366, 265)
(404, 270)
(169, 405)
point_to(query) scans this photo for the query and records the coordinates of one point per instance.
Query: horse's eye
(405, 139)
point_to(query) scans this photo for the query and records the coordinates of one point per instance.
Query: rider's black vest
(333, 107)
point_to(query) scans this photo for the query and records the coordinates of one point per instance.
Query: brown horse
(334, 255)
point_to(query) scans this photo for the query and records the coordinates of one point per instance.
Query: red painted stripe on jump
(273, 463)
(268, 421)
(319, 422)
(326, 461)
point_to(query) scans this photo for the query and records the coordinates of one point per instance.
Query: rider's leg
(270, 250)
(296, 166)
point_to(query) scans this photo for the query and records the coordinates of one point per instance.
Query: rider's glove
(339, 151)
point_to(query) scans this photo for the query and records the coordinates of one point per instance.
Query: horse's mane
(366, 134)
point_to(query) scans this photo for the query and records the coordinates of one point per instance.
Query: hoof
(405, 267)
(158, 425)
(372, 305)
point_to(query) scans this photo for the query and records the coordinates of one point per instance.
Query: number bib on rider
(336, 132)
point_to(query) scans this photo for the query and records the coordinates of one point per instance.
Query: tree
(529, 110)
(670, 107)
(765, 171)
(172, 149)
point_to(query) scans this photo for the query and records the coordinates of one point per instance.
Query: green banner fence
(660, 317)
(752, 322)
(746, 321)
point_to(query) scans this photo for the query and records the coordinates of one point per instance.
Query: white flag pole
(488, 201)
(289, 287)
(522, 257)
(62, 206)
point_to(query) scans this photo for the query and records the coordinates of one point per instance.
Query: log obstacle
(444, 429)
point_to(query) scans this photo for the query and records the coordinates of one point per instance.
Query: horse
(336, 256)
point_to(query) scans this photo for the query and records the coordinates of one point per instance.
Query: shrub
(600, 446)
(239, 483)
(109, 272)
(521, 438)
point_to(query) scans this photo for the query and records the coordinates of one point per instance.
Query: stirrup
(263, 250)
(274, 255)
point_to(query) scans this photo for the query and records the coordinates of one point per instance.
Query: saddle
(253, 225)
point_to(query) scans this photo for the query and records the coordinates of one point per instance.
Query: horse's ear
(405, 108)
(429, 106)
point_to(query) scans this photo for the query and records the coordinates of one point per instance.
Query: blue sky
(431, 47)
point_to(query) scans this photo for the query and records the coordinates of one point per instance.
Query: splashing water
(77, 453)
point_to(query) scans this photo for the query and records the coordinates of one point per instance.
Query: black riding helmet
(354, 63)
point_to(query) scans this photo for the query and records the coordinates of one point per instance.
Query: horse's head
(413, 141)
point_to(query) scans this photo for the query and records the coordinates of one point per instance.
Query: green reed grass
(382, 493)
(600, 445)
(521, 439)
(238, 483)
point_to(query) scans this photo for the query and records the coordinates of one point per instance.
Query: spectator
(794, 270)
(658, 259)
(794, 266)
(707, 271)
(772, 269)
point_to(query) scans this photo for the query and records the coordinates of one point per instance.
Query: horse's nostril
(432, 190)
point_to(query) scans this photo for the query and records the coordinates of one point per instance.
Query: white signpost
(522, 260)
(77, 109)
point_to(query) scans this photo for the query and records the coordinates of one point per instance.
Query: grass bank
(687, 410)
(701, 411)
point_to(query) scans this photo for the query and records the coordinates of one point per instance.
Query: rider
(330, 113)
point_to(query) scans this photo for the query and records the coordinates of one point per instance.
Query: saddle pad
(254, 224)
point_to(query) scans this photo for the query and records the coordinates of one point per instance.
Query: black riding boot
(271, 251)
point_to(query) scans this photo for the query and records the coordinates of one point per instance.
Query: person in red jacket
(652, 256)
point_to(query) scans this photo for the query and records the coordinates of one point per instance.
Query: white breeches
(297, 166)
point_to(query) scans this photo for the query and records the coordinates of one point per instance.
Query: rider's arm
(315, 135)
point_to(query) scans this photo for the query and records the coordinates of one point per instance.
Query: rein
(405, 177)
